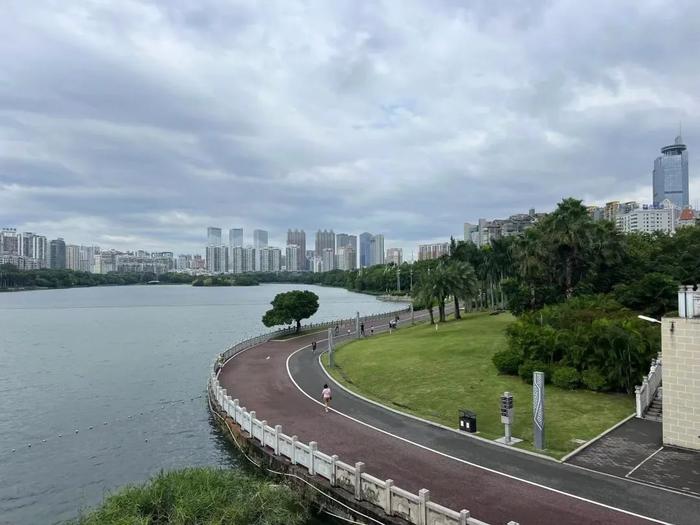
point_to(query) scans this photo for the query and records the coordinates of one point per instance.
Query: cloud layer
(137, 124)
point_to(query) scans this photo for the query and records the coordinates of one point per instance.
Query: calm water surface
(132, 357)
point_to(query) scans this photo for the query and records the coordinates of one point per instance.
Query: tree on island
(289, 307)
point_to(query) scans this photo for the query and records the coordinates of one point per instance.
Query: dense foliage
(291, 307)
(11, 277)
(592, 341)
(205, 496)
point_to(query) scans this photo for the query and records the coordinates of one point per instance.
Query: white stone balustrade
(644, 394)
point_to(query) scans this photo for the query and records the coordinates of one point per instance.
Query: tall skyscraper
(670, 179)
(325, 240)
(57, 254)
(365, 250)
(235, 237)
(270, 259)
(213, 236)
(377, 250)
(259, 239)
(297, 238)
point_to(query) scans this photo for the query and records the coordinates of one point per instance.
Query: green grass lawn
(433, 374)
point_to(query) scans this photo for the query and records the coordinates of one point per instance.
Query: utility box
(467, 421)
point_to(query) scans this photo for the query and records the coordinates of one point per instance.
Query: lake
(125, 367)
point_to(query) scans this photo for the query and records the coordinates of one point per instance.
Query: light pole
(398, 279)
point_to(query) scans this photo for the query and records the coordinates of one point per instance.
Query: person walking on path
(326, 396)
(371, 330)
(362, 329)
(337, 330)
(313, 347)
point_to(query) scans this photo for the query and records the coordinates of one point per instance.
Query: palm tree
(463, 282)
(424, 293)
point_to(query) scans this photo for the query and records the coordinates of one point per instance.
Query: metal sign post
(507, 418)
(330, 347)
(538, 409)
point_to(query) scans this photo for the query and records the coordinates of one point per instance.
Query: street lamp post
(398, 279)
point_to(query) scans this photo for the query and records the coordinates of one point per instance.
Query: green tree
(289, 307)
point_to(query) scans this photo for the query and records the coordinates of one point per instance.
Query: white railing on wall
(393, 500)
(647, 391)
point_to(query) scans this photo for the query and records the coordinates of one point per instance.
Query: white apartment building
(648, 219)
(270, 259)
(292, 257)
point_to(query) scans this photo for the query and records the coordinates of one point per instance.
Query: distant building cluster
(29, 251)
(332, 251)
(486, 231)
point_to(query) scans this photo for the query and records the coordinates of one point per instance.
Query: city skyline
(391, 116)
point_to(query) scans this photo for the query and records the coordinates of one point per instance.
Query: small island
(226, 280)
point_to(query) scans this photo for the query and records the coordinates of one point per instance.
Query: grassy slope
(434, 374)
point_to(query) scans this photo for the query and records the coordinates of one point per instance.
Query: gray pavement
(635, 450)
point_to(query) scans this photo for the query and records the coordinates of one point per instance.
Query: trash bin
(467, 421)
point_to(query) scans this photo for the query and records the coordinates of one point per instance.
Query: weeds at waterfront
(205, 496)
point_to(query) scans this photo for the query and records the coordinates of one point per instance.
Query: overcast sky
(138, 124)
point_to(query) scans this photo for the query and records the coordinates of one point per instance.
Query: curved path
(281, 381)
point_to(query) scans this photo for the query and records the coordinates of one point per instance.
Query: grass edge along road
(432, 374)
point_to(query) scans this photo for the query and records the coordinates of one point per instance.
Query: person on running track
(326, 396)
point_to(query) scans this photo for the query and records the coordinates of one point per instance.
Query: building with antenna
(670, 178)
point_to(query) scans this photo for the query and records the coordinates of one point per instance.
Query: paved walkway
(495, 484)
(635, 450)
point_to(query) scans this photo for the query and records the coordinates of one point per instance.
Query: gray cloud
(138, 124)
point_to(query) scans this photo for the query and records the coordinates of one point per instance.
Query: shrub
(566, 377)
(507, 361)
(200, 495)
(594, 379)
(528, 367)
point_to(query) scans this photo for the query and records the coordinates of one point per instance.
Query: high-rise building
(328, 259)
(259, 239)
(217, 259)
(611, 210)
(292, 258)
(213, 236)
(433, 251)
(670, 177)
(365, 250)
(346, 258)
(343, 240)
(57, 254)
(377, 250)
(73, 257)
(235, 237)
(9, 242)
(324, 240)
(394, 256)
(297, 238)
(270, 259)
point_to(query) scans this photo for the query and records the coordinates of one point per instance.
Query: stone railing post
(334, 460)
(387, 497)
(313, 447)
(464, 517)
(264, 424)
(423, 499)
(645, 391)
(252, 424)
(638, 401)
(294, 450)
(278, 431)
(359, 469)
(236, 404)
